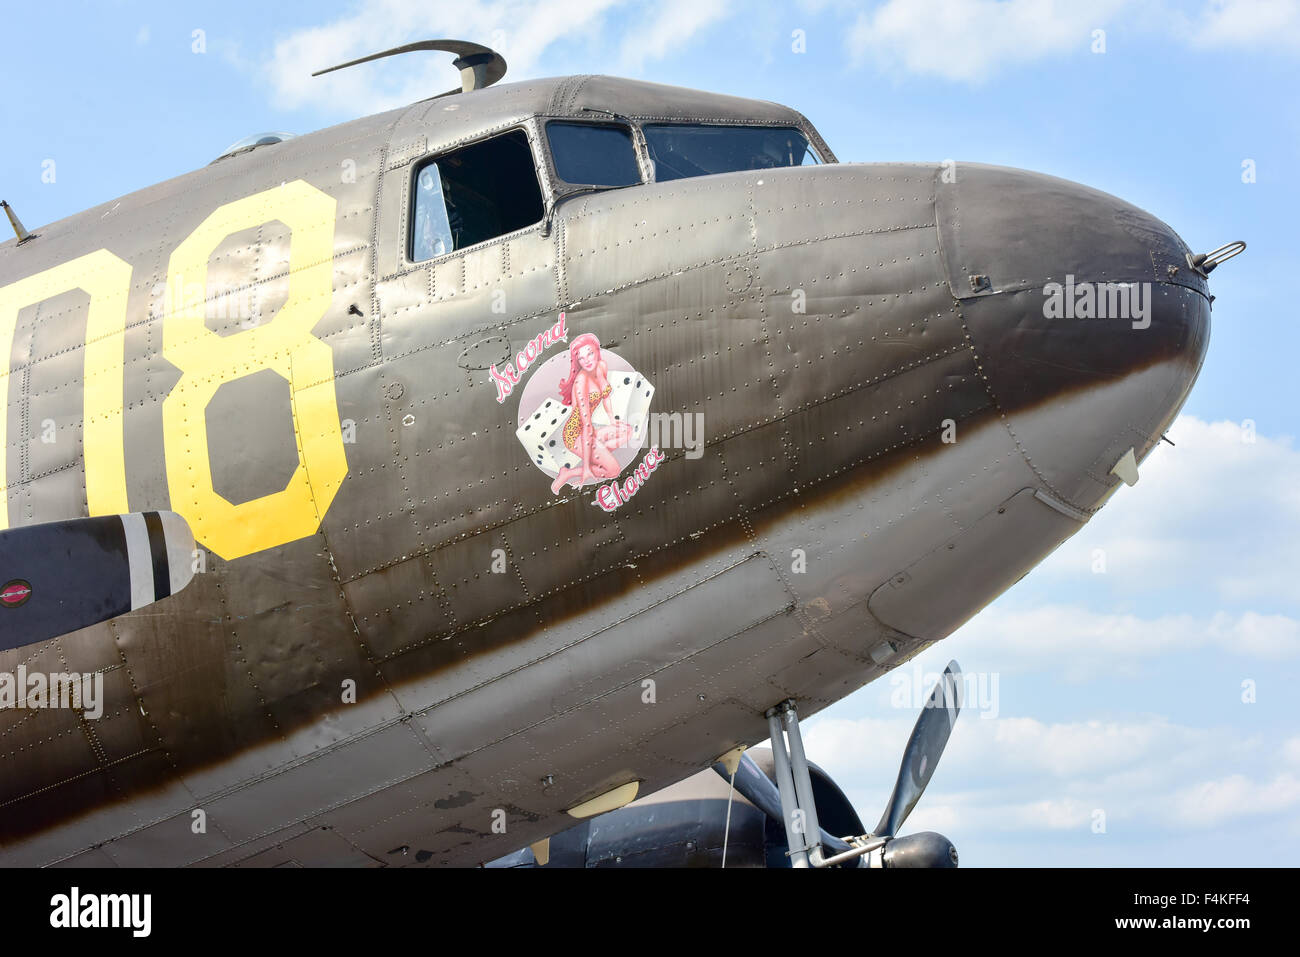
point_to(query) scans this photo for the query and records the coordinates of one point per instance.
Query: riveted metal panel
(998, 549)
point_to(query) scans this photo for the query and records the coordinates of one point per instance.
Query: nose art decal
(583, 416)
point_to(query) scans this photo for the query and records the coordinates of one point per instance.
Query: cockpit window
(591, 154)
(680, 151)
(474, 194)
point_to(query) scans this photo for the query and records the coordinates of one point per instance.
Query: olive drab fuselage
(396, 628)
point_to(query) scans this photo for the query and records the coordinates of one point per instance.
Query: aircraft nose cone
(1088, 322)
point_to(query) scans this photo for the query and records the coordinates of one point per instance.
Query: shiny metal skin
(833, 324)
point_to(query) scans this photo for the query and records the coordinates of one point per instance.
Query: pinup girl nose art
(583, 415)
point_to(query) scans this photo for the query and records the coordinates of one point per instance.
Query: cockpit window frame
(553, 189)
(815, 143)
(561, 188)
(541, 169)
(562, 185)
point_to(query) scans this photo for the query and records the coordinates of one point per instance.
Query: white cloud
(1221, 509)
(1248, 24)
(1086, 645)
(1146, 771)
(1212, 802)
(667, 27)
(958, 40)
(1011, 749)
(969, 40)
(525, 32)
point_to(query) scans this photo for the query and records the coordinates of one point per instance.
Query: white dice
(637, 410)
(542, 435)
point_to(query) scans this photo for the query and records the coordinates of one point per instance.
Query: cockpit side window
(679, 151)
(474, 194)
(593, 154)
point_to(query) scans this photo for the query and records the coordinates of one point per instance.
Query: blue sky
(1120, 691)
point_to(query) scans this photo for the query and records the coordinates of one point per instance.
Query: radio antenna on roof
(22, 234)
(479, 66)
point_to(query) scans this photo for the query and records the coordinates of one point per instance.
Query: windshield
(680, 151)
(591, 154)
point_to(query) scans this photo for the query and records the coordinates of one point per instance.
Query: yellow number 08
(208, 361)
(285, 344)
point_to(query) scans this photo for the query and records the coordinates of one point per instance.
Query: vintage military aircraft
(414, 487)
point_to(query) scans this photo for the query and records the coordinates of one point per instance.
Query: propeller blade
(924, 747)
(758, 789)
(756, 786)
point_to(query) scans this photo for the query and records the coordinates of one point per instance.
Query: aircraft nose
(1088, 321)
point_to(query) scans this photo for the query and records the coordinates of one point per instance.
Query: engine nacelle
(924, 849)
